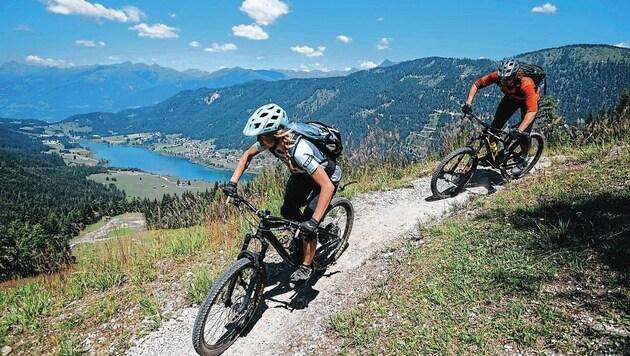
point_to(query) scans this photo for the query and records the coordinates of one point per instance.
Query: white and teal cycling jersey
(307, 157)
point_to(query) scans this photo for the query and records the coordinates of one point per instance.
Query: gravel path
(296, 323)
(128, 221)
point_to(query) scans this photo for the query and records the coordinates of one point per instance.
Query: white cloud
(547, 8)
(253, 32)
(23, 28)
(172, 15)
(380, 19)
(344, 38)
(383, 44)
(316, 66)
(84, 8)
(195, 44)
(221, 48)
(48, 62)
(264, 12)
(623, 45)
(308, 51)
(368, 65)
(112, 58)
(159, 31)
(260, 58)
(86, 43)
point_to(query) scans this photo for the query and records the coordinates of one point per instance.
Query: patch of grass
(69, 346)
(122, 232)
(203, 280)
(185, 244)
(93, 227)
(146, 185)
(511, 278)
(151, 309)
(23, 309)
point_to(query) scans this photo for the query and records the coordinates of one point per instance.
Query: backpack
(536, 72)
(326, 138)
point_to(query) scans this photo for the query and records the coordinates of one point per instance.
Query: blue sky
(298, 34)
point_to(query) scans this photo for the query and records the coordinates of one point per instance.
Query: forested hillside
(398, 99)
(42, 204)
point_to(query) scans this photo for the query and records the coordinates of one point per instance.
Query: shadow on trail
(278, 274)
(484, 177)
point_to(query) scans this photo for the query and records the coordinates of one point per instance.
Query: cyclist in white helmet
(312, 183)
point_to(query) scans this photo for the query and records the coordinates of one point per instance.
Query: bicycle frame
(265, 236)
(483, 140)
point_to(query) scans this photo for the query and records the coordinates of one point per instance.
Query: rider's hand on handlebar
(230, 191)
(467, 109)
(516, 134)
(307, 228)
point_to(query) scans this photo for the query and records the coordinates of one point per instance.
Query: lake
(150, 161)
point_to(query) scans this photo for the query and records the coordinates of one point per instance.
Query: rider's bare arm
(471, 94)
(527, 121)
(327, 190)
(243, 163)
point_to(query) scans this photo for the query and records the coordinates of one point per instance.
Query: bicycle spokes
(453, 172)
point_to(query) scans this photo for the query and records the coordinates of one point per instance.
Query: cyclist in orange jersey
(520, 93)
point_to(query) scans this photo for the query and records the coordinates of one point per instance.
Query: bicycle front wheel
(334, 232)
(228, 308)
(453, 172)
(511, 169)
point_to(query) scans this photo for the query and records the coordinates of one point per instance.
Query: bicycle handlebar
(238, 201)
(499, 133)
(473, 116)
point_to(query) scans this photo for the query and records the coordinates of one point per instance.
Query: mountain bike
(231, 303)
(456, 169)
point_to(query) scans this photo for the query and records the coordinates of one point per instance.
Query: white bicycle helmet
(267, 118)
(508, 68)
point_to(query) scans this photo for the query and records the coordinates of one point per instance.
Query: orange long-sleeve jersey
(525, 92)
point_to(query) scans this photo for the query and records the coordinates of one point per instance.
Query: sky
(299, 34)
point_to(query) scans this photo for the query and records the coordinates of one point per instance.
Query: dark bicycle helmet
(508, 68)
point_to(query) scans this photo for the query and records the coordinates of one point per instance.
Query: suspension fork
(256, 258)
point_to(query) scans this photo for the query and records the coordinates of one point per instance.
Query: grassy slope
(125, 287)
(543, 266)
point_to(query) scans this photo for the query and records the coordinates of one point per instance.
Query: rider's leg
(526, 144)
(311, 205)
(507, 107)
(298, 188)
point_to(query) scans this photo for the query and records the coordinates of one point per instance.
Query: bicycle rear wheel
(509, 167)
(453, 172)
(228, 308)
(334, 232)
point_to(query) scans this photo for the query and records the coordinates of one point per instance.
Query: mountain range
(398, 99)
(54, 93)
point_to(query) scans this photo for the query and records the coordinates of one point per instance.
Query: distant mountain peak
(387, 63)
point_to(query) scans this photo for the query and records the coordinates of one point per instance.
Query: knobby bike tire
(330, 252)
(506, 170)
(454, 187)
(215, 297)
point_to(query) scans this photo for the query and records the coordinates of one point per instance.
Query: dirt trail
(295, 323)
(128, 221)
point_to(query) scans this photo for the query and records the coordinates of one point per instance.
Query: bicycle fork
(256, 259)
